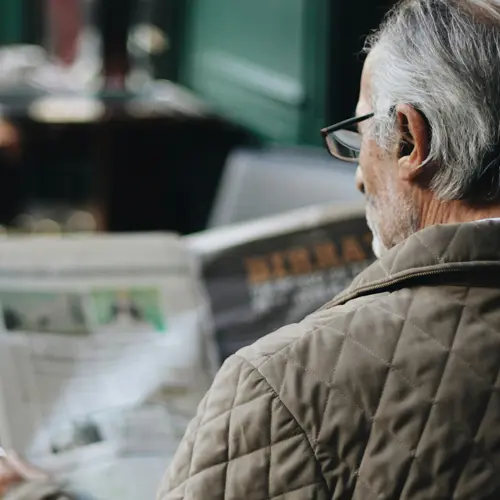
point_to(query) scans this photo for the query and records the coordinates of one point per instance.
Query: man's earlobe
(407, 171)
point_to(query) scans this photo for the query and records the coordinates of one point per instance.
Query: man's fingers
(24, 470)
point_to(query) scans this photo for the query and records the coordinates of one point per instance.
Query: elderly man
(392, 390)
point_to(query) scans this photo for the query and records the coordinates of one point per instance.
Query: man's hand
(13, 470)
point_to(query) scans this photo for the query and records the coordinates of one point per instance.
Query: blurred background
(168, 115)
(139, 115)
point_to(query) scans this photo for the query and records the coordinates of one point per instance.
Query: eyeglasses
(342, 140)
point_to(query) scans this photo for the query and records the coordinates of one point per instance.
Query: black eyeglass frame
(325, 132)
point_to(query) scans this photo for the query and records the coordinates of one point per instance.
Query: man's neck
(454, 212)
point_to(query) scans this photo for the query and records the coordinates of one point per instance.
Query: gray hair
(443, 57)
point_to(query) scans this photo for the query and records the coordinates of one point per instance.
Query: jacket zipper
(373, 288)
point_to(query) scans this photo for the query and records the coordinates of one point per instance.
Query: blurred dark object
(128, 40)
(114, 21)
(168, 176)
(144, 163)
(169, 16)
(350, 23)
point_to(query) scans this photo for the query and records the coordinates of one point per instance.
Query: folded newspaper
(265, 274)
(109, 342)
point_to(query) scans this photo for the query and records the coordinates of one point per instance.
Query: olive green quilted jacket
(390, 391)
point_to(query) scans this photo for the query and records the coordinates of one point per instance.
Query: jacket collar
(438, 251)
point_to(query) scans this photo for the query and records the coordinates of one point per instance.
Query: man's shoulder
(296, 391)
(323, 328)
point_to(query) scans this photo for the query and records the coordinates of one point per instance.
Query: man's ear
(414, 143)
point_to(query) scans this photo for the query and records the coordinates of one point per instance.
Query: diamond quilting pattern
(394, 395)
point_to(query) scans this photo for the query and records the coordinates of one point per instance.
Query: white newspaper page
(103, 349)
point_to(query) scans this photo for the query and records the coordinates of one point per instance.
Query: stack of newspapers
(108, 342)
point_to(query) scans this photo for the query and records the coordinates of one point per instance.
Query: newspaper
(265, 274)
(102, 351)
(108, 343)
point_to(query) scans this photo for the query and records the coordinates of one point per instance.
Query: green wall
(11, 21)
(262, 63)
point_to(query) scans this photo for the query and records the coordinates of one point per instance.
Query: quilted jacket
(390, 391)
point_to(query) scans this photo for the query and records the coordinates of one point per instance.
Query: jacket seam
(303, 431)
(390, 369)
(195, 435)
(244, 455)
(435, 340)
(372, 287)
(437, 260)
